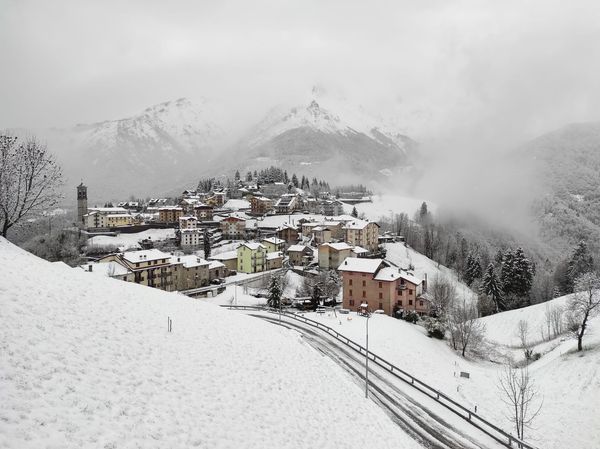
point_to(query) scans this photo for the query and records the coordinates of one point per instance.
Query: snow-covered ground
(569, 382)
(130, 241)
(385, 205)
(405, 257)
(87, 362)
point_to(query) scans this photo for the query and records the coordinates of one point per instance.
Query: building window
(380, 305)
(364, 294)
(400, 303)
(364, 283)
(399, 292)
(410, 291)
(380, 284)
(351, 302)
(380, 295)
(421, 303)
(350, 282)
(350, 292)
(410, 302)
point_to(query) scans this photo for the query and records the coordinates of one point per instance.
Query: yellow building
(251, 257)
(273, 244)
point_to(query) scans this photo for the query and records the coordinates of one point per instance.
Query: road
(408, 408)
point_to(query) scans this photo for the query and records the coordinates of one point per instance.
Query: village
(208, 238)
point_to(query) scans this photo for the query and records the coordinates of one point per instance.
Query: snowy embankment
(406, 257)
(88, 362)
(568, 381)
(130, 241)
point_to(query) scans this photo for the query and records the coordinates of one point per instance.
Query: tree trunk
(582, 331)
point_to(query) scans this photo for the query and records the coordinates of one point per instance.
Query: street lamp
(368, 315)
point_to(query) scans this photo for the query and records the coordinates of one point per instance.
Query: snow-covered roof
(273, 240)
(358, 224)
(189, 261)
(145, 255)
(387, 274)
(252, 245)
(109, 210)
(274, 255)
(187, 218)
(410, 278)
(111, 268)
(214, 264)
(360, 265)
(337, 246)
(228, 255)
(234, 204)
(297, 248)
(359, 250)
(170, 208)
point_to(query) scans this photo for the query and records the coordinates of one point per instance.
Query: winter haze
(469, 82)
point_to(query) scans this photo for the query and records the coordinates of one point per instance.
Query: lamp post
(368, 315)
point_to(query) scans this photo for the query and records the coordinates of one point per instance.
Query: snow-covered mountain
(145, 154)
(327, 138)
(171, 145)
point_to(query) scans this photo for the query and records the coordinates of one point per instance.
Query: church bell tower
(81, 203)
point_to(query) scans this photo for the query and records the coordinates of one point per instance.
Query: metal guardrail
(472, 418)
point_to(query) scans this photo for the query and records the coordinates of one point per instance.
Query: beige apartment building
(151, 267)
(362, 233)
(331, 255)
(170, 214)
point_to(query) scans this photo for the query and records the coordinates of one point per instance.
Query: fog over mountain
(468, 81)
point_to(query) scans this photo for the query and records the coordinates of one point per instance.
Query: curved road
(408, 410)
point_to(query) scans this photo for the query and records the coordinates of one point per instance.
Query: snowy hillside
(406, 257)
(88, 362)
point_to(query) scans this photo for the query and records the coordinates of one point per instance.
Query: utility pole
(367, 358)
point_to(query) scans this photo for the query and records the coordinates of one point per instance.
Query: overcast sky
(519, 66)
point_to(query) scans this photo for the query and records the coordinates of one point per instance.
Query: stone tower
(81, 203)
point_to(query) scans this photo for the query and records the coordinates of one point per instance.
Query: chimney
(90, 268)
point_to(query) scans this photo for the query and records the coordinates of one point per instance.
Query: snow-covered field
(406, 257)
(88, 362)
(385, 205)
(569, 382)
(130, 241)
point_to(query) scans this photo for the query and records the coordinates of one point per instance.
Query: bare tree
(584, 304)
(523, 332)
(554, 320)
(29, 180)
(443, 293)
(521, 396)
(466, 332)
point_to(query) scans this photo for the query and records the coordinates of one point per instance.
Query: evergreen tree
(295, 180)
(285, 177)
(523, 271)
(580, 262)
(275, 292)
(507, 271)
(206, 241)
(423, 213)
(354, 212)
(473, 270)
(237, 175)
(490, 285)
(249, 176)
